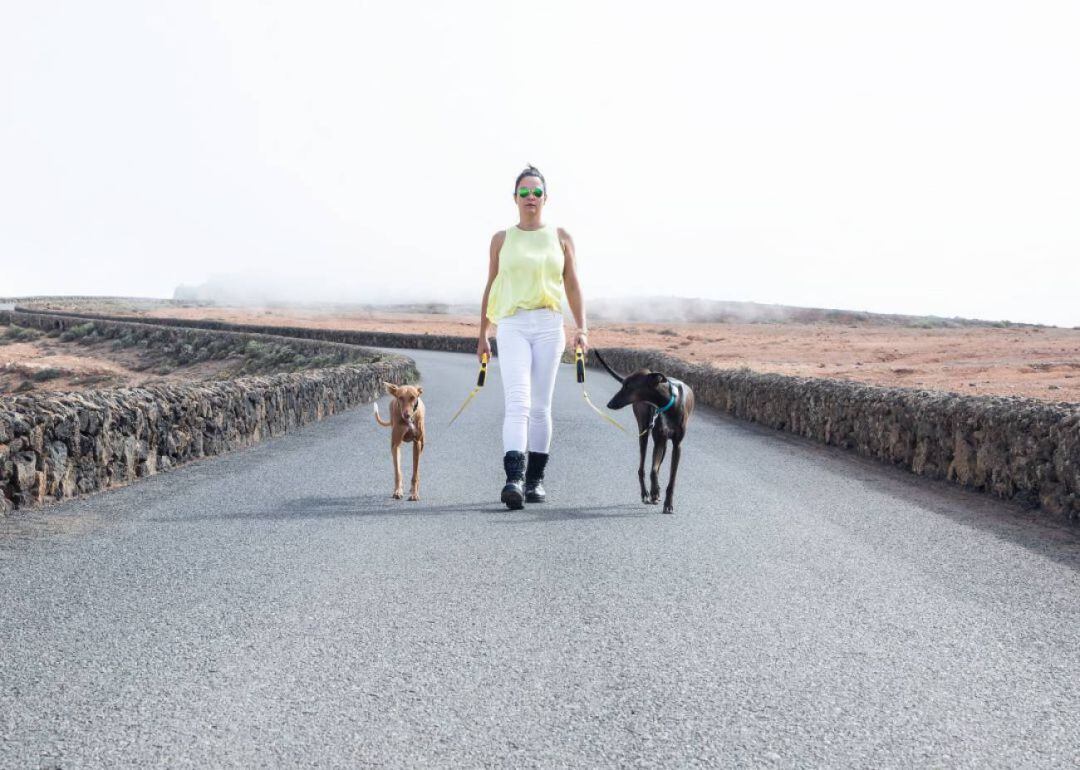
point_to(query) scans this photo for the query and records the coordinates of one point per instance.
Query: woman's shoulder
(498, 239)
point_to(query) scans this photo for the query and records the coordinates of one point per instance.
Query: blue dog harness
(676, 387)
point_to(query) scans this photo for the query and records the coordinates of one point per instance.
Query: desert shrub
(92, 379)
(185, 355)
(77, 332)
(319, 362)
(51, 373)
(265, 356)
(16, 333)
(126, 340)
(218, 349)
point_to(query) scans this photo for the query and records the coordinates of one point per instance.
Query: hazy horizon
(626, 309)
(917, 159)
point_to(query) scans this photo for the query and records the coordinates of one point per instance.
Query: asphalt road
(274, 607)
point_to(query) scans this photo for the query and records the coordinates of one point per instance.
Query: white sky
(915, 157)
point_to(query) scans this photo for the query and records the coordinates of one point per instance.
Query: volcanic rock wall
(345, 336)
(54, 446)
(1014, 448)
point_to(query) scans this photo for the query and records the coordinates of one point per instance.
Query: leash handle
(483, 370)
(579, 362)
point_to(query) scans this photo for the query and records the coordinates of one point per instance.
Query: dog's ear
(419, 392)
(656, 378)
(391, 388)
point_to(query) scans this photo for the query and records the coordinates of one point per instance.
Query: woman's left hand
(581, 340)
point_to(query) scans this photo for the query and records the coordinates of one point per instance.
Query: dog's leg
(658, 451)
(669, 496)
(414, 490)
(643, 416)
(643, 441)
(395, 452)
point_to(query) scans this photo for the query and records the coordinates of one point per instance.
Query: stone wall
(168, 334)
(1014, 448)
(54, 446)
(346, 336)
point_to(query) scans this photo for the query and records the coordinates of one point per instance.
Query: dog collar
(673, 385)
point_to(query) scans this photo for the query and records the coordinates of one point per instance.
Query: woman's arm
(493, 270)
(573, 289)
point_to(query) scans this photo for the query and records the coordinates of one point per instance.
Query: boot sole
(513, 500)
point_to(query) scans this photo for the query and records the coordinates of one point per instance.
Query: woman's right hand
(483, 347)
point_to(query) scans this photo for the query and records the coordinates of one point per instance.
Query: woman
(531, 264)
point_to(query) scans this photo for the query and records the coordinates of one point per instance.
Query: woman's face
(530, 206)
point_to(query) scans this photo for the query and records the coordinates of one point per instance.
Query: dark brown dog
(662, 405)
(407, 424)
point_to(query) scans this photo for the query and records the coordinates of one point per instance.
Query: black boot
(512, 493)
(534, 478)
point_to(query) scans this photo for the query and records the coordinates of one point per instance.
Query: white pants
(530, 345)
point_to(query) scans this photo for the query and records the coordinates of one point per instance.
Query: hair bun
(530, 170)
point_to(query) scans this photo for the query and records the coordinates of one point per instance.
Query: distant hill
(610, 309)
(679, 309)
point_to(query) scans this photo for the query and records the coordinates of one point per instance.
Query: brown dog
(407, 424)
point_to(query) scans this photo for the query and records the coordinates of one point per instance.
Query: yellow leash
(579, 362)
(479, 384)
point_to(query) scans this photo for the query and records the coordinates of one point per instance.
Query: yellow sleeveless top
(530, 273)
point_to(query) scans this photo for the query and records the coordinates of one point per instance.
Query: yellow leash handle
(483, 370)
(479, 384)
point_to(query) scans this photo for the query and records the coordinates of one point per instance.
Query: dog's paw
(397, 495)
(646, 499)
(669, 508)
(414, 497)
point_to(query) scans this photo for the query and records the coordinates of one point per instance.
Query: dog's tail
(611, 371)
(378, 418)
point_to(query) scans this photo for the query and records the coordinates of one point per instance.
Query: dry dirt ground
(49, 365)
(1038, 362)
